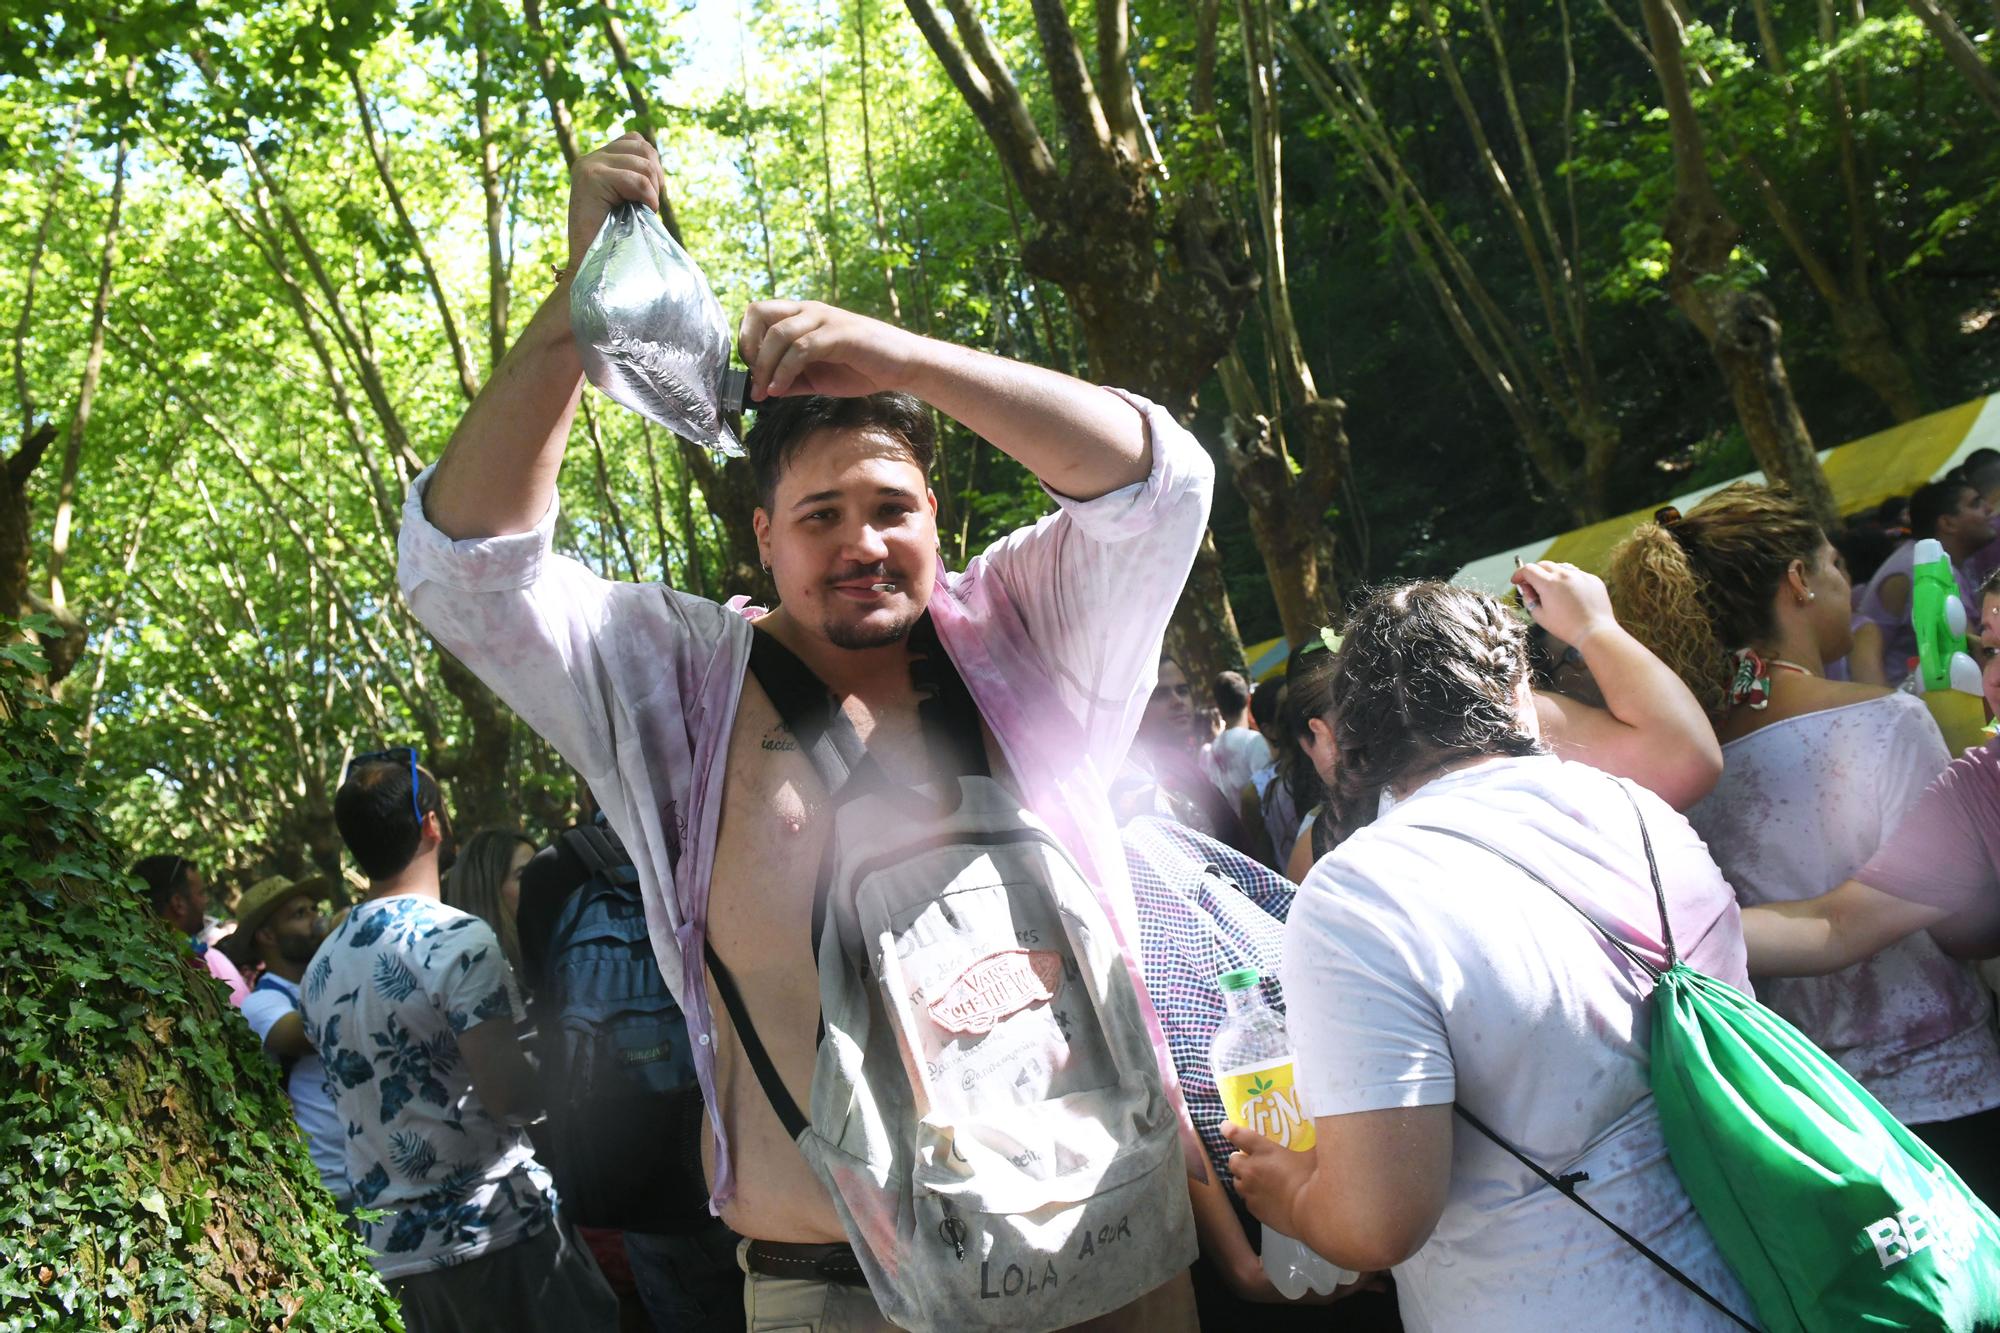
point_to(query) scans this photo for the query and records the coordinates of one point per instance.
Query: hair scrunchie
(1751, 683)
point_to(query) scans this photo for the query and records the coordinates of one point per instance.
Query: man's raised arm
(1077, 439)
(498, 474)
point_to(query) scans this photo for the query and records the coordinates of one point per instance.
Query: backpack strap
(774, 1087)
(808, 710)
(1592, 921)
(265, 981)
(603, 858)
(1652, 869)
(947, 712)
(1566, 1186)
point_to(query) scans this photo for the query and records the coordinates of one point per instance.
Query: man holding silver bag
(881, 876)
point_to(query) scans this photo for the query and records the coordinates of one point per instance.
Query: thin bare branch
(982, 79)
(378, 153)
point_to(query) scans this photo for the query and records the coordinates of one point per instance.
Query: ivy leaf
(154, 1202)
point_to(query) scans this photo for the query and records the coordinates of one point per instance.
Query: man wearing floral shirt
(412, 1008)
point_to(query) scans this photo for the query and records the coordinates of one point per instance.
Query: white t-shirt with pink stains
(1420, 970)
(1802, 806)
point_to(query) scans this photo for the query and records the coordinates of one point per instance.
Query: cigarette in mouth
(883, 587)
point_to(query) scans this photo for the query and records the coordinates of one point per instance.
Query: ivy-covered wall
(151, 1176)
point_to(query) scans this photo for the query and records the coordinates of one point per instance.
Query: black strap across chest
(949, 719)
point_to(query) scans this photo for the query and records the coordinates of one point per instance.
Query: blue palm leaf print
(350, 1067)
(442, 1049)
(393, 978)
(395, 1095)
(458, 1182)
(316, 981)
(412, 1153)
(369, 931)
(371, 1185)
(411, 1224)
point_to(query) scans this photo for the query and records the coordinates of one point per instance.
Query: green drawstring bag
(1832, 1215)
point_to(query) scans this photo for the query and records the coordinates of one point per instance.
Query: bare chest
(773, 832)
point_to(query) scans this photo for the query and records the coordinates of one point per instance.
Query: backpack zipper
(951, 1229)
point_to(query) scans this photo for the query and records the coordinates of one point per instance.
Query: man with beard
(278, 924)
(1055, 632)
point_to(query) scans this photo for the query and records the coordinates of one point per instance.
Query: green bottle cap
(1242, 978)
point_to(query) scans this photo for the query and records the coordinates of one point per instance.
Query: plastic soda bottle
(1251, 1058)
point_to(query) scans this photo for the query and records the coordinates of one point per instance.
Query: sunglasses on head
(394, 755)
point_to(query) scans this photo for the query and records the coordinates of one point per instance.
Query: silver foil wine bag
(651, 333)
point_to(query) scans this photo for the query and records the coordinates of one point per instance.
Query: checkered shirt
(1204, 909)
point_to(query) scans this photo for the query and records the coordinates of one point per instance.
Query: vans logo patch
(996, 987)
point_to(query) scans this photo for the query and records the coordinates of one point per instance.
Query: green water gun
(1938, 616)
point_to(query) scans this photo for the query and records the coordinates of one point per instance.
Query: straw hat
(266, 896)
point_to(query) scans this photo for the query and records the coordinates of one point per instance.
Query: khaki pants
(805, 1305)
(802, 1305)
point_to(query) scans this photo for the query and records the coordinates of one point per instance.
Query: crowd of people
(880, 990)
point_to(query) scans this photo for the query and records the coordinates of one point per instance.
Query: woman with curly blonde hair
(1744, 598)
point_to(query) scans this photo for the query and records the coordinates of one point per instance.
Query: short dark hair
(376, 821)
(1264, 701)
(1231, 691)
(1981, 471)
(785, 424)
(165, 875)
(1864, 547)
(1935, 501)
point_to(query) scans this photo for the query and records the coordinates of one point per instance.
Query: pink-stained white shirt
(1420, 971)
(1056, 630)
(1803, 804)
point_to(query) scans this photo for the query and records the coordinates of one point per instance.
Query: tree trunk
(64, 649)
(498, 279)
(884, 251)
(16, 531)
(1154, 326)
(635, 93)
(545, 70)
(1287, 465)
(1528, 390)
(1958, 48)
(156, 1177)
(476, 767)
(1740, 325)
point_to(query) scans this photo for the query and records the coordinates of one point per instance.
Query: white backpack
(986, 1109)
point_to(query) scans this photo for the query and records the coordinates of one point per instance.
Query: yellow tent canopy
(1862, 473)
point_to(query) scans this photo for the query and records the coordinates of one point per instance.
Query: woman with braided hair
(1639, 722)
(1744, 597)
(1422, 971)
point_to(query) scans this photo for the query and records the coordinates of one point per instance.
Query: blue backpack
(623, 1137)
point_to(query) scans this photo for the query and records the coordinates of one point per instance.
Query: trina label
(1262, 1098)
(995, 987)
